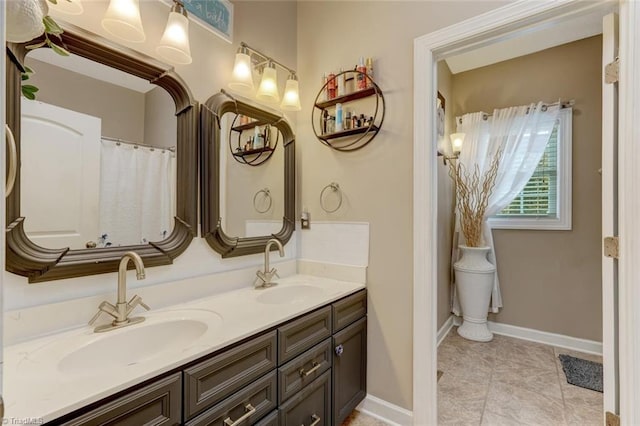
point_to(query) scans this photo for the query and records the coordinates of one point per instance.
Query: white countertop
(35, 387)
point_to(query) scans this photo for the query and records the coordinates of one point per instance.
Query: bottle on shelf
(369, 67)
(331, 86)
(361, 80)
(258, 138)
(325, 96)
(340, 84)
(339, 118)
(347, 120)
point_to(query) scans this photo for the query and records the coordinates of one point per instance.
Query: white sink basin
(289, 294)
(162, 334)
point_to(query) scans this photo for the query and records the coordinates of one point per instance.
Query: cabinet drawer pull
(303, 373)
(250, 411)
(315, 419)
(339, 349)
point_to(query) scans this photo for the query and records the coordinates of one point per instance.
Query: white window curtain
(521, 134)
(137, 196)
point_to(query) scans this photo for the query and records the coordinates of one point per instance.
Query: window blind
(539, 198)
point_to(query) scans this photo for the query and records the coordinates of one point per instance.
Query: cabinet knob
(339, 349)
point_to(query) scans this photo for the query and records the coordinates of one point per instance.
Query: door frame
(490, 27)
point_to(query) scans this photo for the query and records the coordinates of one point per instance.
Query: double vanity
(287, 354)
(292, 354)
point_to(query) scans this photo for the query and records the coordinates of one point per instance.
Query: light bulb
(268, 90)
(242, 78)
(291, 98)
(457, 139)
(123, 20)
(174, 45)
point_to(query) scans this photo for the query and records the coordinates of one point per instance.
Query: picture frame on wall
(213, 15)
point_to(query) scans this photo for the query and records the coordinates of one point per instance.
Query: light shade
(123, 20)
(70, 7)
(242, 77)
(174, 44)
(291, 98)
(457, 139)
(268, 90)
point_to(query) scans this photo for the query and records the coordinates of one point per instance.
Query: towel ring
(335, 188)
(13, 161)
(267, 195)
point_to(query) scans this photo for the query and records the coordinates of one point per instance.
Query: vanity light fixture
(70, 7)
(457, 140)
(123, 20)
(174, 44)
(248, 58)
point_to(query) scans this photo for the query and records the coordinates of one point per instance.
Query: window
(545, 201)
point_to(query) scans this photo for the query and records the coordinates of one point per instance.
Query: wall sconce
(242, 79)
(457, 140)
(174, 44)
(122, 20)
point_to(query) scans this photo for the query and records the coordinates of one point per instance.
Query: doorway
(505, 23)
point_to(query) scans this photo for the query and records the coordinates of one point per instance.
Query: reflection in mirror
(98, 156)
(252, 198)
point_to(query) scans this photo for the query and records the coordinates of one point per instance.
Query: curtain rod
(565, 104)
(137, 144)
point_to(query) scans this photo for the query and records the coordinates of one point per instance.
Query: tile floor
(510, 382)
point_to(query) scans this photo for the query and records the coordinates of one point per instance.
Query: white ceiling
(527, 43)
(92, 69)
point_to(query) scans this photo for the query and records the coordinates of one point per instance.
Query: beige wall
(376, 180)
(160, 124)
(121, 110)
(551, 280)
(446, 197)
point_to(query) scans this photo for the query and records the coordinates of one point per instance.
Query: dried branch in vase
(472, 195)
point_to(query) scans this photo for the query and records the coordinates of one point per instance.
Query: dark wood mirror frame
(23, 257)
(228, 246)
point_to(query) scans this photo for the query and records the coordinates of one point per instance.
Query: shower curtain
(137, 195)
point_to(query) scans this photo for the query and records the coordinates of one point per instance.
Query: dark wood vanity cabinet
(309, 371)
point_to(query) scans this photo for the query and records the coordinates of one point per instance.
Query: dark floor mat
(581, 372)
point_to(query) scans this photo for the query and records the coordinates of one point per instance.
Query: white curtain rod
(565, 104)
(137, 144)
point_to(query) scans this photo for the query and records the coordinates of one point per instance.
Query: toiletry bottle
(354, 120)
(369, 72)
(258, 141)
(325, 119)
(361, 80)
(347, 120)
(331, 124)
(341, 89)
(339, 117)
(361, 121)
(331, 85)
(324, 96)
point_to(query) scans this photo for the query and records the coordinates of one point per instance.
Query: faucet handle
(137, 300)
(104, 307)
(273, 272)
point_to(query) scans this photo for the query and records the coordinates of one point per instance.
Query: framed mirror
(248, 179)
(107, 155)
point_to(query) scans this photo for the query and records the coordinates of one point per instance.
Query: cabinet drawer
(311, 406)
(302, 370)
(301, 334)
(259, 398)
(349, 309)
(349, 369)
(210, 381)
(270, 420)
(156, 404)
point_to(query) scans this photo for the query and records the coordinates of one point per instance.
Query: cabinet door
(156, 404)
(349, 369)
(309, 407)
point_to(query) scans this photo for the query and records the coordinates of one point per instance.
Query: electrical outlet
(305, 221)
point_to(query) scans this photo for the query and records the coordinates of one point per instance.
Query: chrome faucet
(263, 279)
(120, 312)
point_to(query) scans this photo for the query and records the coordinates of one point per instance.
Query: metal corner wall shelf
(251, 157)
(353, 138)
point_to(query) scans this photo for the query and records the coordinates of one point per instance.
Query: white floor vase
(474, 283)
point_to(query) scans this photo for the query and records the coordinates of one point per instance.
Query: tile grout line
(486, 396)
(564, 403)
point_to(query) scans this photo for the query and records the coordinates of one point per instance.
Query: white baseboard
(385, 411)
(446, 328)
(553, 339)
